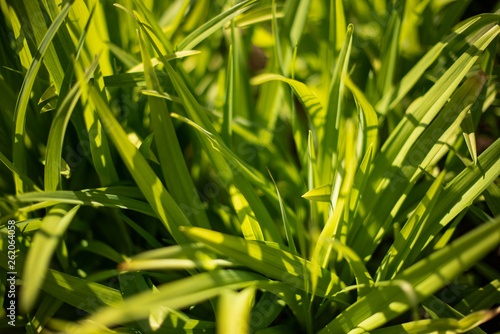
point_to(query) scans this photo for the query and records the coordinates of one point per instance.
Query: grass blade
(329, 142)
(205, 30)
(19, 155)
(90, 197)
(177, 294)
(368, 117)
(411, 232)
(175, 172)
(234, 311)
(249, 225)
(464, 325)
(52, 176)
(390, 301)
(395, 94)
(363, 278)
(272, 262)
(160, 200)
(45, 241)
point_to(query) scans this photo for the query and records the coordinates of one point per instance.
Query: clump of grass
(250, 166)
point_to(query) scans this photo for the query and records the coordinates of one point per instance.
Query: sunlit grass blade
(446, 263)
(334, 226)
(483, 298)
(78, 292)
(360, 180)
(69, 73)
(162, 95)
(436, 97)
(213, 25)
(395, 258)
(308, 99)
(89, 197)
(259, 14)
(470, 183)
(139, 67)
(470, 136)
(272, 262)
(178, 294)
(368, 117)
(395, 172)
(437, 309)
(361, 274)
(249, 225)
(394, 95)
(56, 56)
(234, 311)
(464, 325)
(381, 114)
(320, 194)
(312, 177)
(98, 32)
(337, 25)
(176, 257)
(146, 15)
(177, 264)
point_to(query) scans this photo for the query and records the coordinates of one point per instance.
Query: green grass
(250, 166)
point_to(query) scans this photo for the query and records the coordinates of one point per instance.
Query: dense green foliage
(250, 166)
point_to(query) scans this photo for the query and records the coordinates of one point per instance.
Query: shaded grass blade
(395, 257)
(329, 140)
(175, 172)
(38, 259)
(72, 290)
(52, 176)
(19, 155)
